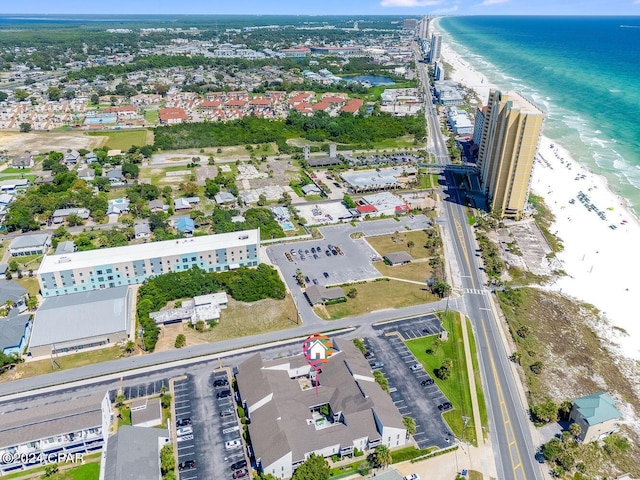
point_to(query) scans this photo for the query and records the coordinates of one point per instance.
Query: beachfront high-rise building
(479, 125)
(423, 28)
(508, 146)
(435, 48)
(410, 24)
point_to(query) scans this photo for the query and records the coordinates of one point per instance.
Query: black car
(326, 275)
(369, 355)
(427, 382)
(306, 279)
(315, 256)
(187, 465)
(239, 465)
(183, 422)
(313, 249)
(220, 382)
(334, 251)
(445, 406)
(327, 253)
(223, 394)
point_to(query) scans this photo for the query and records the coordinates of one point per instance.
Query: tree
(537, 367)
(575, 429)
(181, 341)
(410, 245)
(74, 219)
(315, 468)
(95, 99)
(516, 357)
(167, 459)
(262, 200)
(20, 94)
(3, 96)
(25, 127)
(130, 170)
(130, 346)
(165, 400)
(382, 456)
(444, 372)
(14, 265)
(352, 293)
(54, 93)
(190, 189)
(120, 399)
(348, 202)
(441, 288)
(546, 412)
(32, 303)
(410, 425)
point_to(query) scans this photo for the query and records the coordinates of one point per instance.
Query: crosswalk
(477, 291)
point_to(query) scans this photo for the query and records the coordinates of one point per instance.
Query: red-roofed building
(304, 108)
(333, 99)
(235, 103)
(352, 106)
(210, 104)
(172, 116)
(324, 106)
(364, 209)
(402, 209)
(260, 102)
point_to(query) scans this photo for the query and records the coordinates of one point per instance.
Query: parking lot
(182, 390)
(412, 389)
(356, 263)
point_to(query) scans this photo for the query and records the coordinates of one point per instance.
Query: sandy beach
(600, 261)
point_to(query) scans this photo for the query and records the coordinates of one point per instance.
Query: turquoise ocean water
(584, 72)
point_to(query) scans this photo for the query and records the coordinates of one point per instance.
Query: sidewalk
(477, 422)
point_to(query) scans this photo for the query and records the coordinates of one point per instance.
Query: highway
(509, 427)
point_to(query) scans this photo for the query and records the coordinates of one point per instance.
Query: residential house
(146, 412)
(14, 295)
(311, 189)
(61, 215)
(6, 199)
(201, 308)
(29, 244)
(596, 415)
(118, 206)
(224, 198)
(71, 158)
(115, 176)
(65, 247)
(22, 161)
(172, 116)
(158, 205)
(91, 157)
(134, 453)
(319, 294)
(185, 225)
(142, 230)
(14, 186)
(87, 174)
(14, 333)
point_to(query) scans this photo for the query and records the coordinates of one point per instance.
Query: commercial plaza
(113, 267)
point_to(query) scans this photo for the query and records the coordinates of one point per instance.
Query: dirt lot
(17, 143)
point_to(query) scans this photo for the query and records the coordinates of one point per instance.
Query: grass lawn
(28, 262)
(241, 319)
(123, 140)
(384, 244)
(15, 170)
(475, 475)
(379, 295)
(40, 367)
(406, 141)
(124, 418)
(456, 387)
(151, 116)
(30, 284)
(417, 271)
(428, 181)
(15, 176)
(89, 470)
(158, 176)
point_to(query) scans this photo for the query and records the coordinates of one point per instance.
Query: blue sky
(337, 7)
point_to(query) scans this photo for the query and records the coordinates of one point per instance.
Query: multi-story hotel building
(508, 146)
(112, 267)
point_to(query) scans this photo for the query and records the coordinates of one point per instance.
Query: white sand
(602, 264)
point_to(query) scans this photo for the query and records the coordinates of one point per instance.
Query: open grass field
(122, 139)
(428, 180)
(89, 470)
(416, 271)
(158, 176)
(30, 284)
(16, 176)
(17, 171)
(384, 244)
(151, 116)
(377, 295)
(456, 387)
(28, 262)
(241, 319)
(66, 362)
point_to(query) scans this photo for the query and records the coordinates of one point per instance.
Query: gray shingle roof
(65, 247)
(29, 241)
(11, 291)
(398, 257)
(137, 453)
(12, 330)
(318, 294)
(64, 318)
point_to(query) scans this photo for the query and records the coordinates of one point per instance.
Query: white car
(413, 476)
(231, 444)
(182, 431)
(415, 367)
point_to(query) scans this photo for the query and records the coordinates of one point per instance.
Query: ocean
(584, 72)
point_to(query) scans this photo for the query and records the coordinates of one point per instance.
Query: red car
(240, 473)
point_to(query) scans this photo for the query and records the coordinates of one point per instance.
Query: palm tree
(410, 425)
(575, 429)
(382, 456)
(410, 245)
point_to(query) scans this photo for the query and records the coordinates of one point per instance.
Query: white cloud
(444, 11)
(411, 3)
(487, 3)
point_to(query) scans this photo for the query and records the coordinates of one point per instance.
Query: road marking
(506, 420)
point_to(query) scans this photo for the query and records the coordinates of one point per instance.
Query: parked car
(369, 355)
(415, 367)
(232, 444)
(427, 382)
(315, 281)
(334, 251)
(315, 256)
(376, 365)
(313, 249)
(326, 275)
(327, 253)
(182, 431)
(220, 382)
(223, 394)
(445, 406)
(183, 422)
(187, 465)
(239, 465)
(306, 279)
(413, 476)
(240, 473)
(227, 412)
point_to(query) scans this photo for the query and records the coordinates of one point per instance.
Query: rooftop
(130, 253)
(134, 453)
(597, 408)
(27, 241)
(64, 318)
(12, 329)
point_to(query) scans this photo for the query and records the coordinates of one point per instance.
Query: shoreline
(599, 260)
